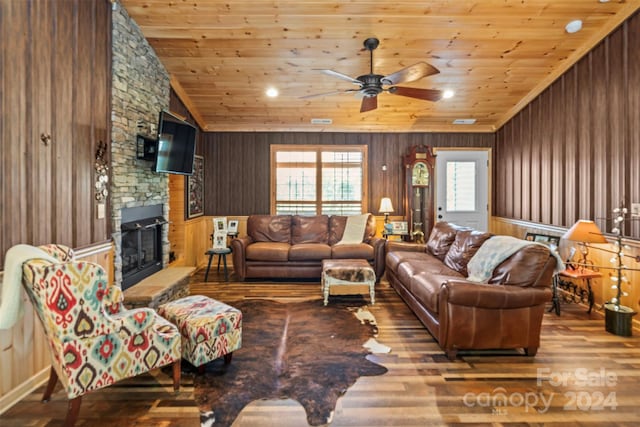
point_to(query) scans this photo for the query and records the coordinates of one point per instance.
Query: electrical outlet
(101, 210)
(635, 209)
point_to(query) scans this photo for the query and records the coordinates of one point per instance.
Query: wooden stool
(222, 253)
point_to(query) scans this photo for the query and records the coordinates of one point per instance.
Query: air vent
(321, 121)
(464, 121)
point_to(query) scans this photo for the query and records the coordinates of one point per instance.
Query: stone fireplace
(140, 90)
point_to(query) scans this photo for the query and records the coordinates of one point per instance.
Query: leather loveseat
(293, 246)
(504, 312)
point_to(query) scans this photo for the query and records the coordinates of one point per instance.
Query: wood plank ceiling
(497, 55)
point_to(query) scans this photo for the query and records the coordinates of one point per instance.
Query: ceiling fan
(371, 85)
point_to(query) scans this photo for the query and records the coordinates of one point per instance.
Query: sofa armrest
(238, 253)
(394, 245)
(471, 294)
(378, 256)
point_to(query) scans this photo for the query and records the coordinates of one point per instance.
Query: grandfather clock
(419, 167)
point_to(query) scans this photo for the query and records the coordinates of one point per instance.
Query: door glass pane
(461, 186)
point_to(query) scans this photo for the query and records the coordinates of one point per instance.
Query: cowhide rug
(303, 351)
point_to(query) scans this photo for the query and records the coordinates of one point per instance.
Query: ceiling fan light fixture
(448, 94)
(573, 26)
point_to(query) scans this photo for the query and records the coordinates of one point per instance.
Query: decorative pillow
(464, 247)
(441, 238)
(354, 230)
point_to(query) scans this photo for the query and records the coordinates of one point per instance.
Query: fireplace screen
(139, 250)
(141, 247)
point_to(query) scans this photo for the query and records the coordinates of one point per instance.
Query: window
(461, 186)
(318, 179)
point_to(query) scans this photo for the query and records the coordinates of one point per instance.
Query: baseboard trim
(18, 393)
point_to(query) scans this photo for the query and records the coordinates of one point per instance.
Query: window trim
(318, 149)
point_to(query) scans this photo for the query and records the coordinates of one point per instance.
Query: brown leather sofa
(293, 246)
(504, 313)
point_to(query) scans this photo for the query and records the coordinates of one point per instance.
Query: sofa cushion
(357, 250)
(269, 228)
(268, 251)
(427, 261)
(441, 238)
(426, 288)
(309, 252)
(464, 247)
(337, 223)
(309, 229)
(412, 267)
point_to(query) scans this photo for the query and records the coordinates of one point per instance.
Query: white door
(462, 187)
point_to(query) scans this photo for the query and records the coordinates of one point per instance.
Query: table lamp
(585, 232)
(386, 208)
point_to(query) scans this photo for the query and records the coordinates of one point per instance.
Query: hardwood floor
(581, 375)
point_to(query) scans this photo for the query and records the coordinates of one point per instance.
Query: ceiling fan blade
(318, 95)
(340, 76)
(410, 74)
(414, 92)
(369, 103)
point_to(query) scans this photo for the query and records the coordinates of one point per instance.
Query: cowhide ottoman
(342, 273)
(209, 328)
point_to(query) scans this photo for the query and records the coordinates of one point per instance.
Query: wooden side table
(583, 274)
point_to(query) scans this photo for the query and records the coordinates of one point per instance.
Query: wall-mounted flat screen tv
(176, 145)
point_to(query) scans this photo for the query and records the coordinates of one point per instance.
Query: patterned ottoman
(347, 272)
(209, 328)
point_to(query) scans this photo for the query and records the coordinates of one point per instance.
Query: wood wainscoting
(602, 286)
(24, 355)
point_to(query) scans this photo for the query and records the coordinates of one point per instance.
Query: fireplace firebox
(141, 246)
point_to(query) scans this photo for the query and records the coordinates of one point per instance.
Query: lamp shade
(585, 231)
(385, 205)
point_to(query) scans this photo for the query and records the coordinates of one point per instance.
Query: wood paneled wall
(574, 152)
(237, 164)
(55, 72)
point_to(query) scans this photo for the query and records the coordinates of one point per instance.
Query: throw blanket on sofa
(354, 229)
(494, 251)
(10, 299)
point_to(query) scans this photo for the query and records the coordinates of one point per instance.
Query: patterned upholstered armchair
(94, 341)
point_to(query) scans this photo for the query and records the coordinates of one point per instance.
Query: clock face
(420, 174)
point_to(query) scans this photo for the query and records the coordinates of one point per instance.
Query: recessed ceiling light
(573, 26)
(448, 94)
(604, 1)
(272, 92)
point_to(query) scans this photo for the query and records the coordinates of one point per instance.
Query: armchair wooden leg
(73, 409)
(531, 351)
(227, 358)
(176, 375)
(53, 379)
